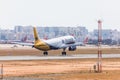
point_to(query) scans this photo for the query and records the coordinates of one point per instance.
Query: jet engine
(72, 48)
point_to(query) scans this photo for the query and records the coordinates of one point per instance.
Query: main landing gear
(64, 53)
(45, 53)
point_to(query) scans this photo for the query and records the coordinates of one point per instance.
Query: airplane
(54, 43)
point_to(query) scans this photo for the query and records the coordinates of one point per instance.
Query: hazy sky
(60, 13)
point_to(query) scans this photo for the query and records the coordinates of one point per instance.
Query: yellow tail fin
(39, 44)
(36, 35)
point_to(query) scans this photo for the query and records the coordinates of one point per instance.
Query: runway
(79, 56)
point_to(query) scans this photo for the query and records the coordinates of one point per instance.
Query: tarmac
(26, 63)
(78, 56)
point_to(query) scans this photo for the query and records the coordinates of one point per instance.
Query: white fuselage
(58, 42)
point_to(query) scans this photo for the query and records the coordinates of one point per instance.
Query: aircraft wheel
(63, 53)
(45, 53)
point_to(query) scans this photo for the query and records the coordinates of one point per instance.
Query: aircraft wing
(69, 45)
(25, 44)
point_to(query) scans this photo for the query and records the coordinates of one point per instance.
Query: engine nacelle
(72, 48)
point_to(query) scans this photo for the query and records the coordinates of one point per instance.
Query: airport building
(106, 33)
(79, 32)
